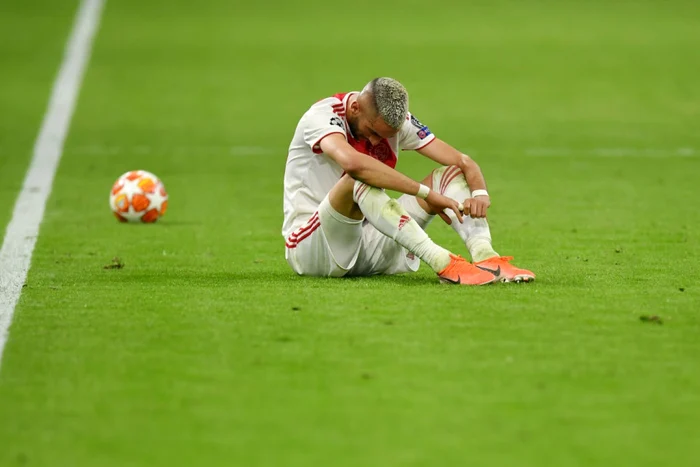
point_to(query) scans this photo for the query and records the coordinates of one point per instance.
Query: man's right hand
(438, 203)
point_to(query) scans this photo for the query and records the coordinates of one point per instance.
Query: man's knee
(442, 177)
(341, 198)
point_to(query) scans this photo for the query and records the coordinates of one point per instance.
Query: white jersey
(310, 174)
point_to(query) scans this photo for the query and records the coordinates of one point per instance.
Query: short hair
(390, 100)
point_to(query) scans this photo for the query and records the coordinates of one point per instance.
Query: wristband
(423, 191)
(476, 193)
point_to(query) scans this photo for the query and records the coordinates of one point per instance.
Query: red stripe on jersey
(426, 144)
(306, 234)
(360, 191)
(445, 175)
(309, 232)
(453, 172)
(304, 227)
(453, 178)
(295, 236)
(341, 96)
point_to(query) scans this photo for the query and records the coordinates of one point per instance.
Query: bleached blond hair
(390, 100)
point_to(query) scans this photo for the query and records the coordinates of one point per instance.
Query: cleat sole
(448, 281)
(520, 279)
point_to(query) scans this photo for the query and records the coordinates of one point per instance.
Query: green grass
(207, 350)
(31, 43)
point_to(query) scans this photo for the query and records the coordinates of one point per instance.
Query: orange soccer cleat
(506, 272)
(461, 271)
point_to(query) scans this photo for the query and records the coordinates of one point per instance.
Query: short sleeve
(414, 135)
(322, 120)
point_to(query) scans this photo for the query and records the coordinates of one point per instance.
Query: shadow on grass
(262, 278)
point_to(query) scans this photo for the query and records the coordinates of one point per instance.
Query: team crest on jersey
(380, 151)
(423, 131)
(338, 122)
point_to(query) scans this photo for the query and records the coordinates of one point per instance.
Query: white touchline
(23, 229)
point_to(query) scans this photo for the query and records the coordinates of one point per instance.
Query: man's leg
(355, 200)
(380, 254)
(327, 245)
(475, 233)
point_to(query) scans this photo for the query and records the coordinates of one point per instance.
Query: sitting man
(338, 221)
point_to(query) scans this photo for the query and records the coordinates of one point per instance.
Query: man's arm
(372, 172)
(444, 154)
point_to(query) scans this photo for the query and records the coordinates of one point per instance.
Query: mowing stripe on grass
(23, 229)
(98, 150)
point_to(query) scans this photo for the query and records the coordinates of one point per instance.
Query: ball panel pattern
(138, 196)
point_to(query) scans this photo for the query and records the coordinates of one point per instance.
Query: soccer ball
(138, 196)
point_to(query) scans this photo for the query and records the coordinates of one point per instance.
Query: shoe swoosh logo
(458, 281)
(495, 272)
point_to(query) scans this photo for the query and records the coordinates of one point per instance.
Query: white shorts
(332, 245)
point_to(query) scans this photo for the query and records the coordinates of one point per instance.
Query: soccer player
(338, 221)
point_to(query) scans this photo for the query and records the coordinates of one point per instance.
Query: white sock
(391, 219)
(417, 213)
(475, 233)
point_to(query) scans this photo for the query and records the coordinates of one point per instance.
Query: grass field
(206, 349)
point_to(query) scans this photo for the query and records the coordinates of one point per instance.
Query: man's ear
(355, 108)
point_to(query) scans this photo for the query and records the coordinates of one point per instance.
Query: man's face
(366, 124)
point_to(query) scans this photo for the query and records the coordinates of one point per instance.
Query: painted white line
(23, 229)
